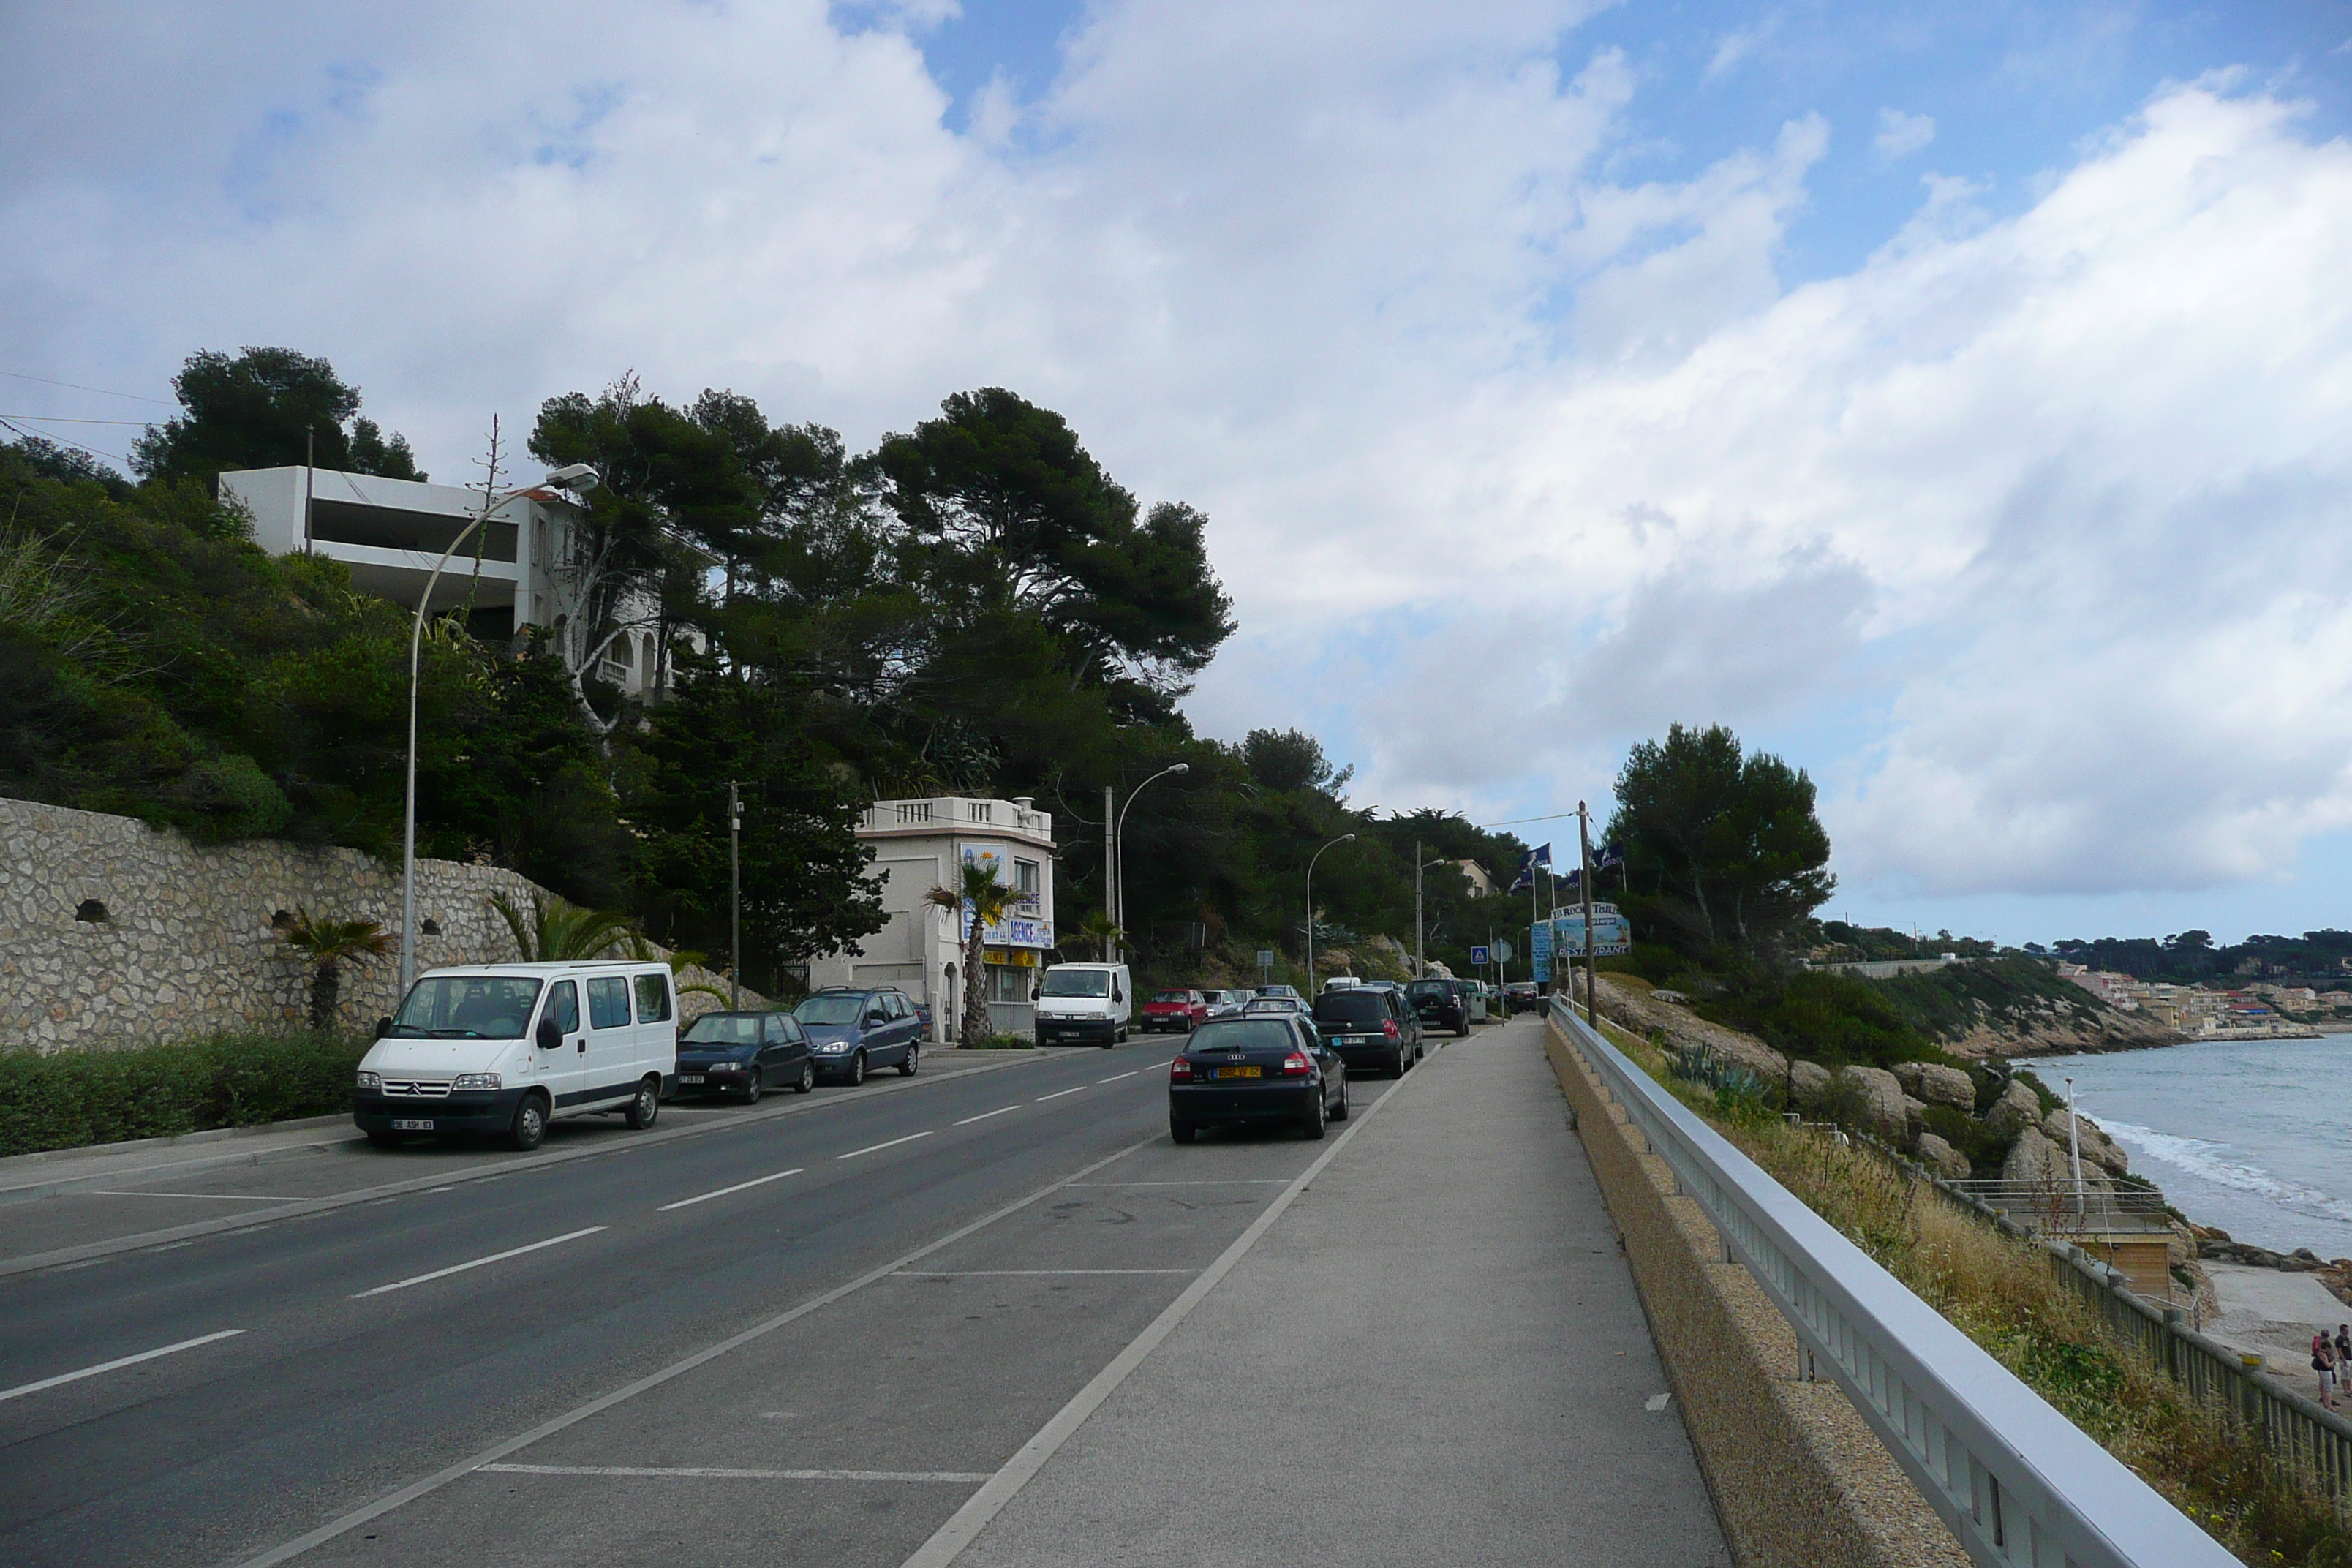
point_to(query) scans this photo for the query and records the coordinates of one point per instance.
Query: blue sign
(1539, 949)
(1614, 932)
(1479, 957)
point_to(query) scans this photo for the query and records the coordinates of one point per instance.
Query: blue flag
(1527, 879)
(1611, 855)
(1575, 878)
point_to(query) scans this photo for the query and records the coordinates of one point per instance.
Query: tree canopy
(266, 408)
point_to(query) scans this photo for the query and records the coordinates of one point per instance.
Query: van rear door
(657, 1025)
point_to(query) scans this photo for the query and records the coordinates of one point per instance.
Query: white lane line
(948, 1543)
(1024, 1274)
(740, 1187)
(476, 1263)
(1209, 1182)
(986, 1114)
(24, 1388)
(894, 1143)
(598, 1406)
(714, 1473)
(1058, 1094)
(222, 1197)
(1117, 1076)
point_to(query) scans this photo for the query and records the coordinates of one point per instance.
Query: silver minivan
(505, 1048)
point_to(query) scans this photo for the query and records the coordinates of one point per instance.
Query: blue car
(855, 1030)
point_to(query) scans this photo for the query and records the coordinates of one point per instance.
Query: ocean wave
(2212, 1162)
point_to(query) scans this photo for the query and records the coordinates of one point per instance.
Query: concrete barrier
(1798, 1477)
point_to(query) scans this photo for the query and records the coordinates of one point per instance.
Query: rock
(2034, 1161)
(1942, 1158)
(1914, 1113)
(2017, 1109)
(1672, 998)
(1649, 1015)
(1809, 1082)
(1882, 1109)
(1940, 1085)
(2098, 1149)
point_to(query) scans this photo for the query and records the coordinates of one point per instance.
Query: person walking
(2323, 1361)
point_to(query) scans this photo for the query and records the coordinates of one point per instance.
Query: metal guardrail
(2015, 1481)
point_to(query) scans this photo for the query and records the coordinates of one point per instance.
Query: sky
(1952, 400)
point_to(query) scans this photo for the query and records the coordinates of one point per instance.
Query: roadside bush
(78, 1097)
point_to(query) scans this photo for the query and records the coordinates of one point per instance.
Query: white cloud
(2035, 522)
(1900, 134)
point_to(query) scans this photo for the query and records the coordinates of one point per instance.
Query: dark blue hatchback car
(853, 1030)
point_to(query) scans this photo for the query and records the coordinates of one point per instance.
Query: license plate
(1241, 1072)
(413, 1124)
(689, 1078)
(1359, 1039)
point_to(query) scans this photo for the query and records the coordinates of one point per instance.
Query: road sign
(1479, 957)
(1539, 949)
(1265, 958)
(1502, 951)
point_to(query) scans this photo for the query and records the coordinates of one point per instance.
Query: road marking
(1208, 1182)
(1027, 1273)
(1058, 1094)
(986, 1114)
(1117, 1076)
(948, 1543)
(25, 1388)
(894, 1143)
(224, 1198)
(1655, 1401)
(706, 1198)
(598, 1406)
(713, 1473)
(476, 1263)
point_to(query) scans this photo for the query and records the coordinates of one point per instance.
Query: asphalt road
(803, 1334)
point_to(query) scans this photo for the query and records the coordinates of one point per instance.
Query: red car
(1175, 1012)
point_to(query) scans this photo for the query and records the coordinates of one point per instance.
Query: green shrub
(1833, 1019)
(1007, 1043)
(77, 1098)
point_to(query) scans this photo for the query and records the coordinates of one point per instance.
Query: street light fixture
(1420, 966)
(1343, 838)
(578, 479)
(1119, 860)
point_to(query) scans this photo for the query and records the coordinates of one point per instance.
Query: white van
(1082, 1003)
(507, 1048)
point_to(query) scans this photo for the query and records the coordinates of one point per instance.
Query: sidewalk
(1435, 1356)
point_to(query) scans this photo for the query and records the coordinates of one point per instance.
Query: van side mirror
(1036, 992)
(383, 1027)
(550, 1037)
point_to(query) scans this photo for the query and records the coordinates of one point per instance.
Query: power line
(1522, 821)
(77, 386)
(61, 419)
(61, 441)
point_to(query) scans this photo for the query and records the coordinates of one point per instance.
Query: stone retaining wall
(113, 933)
(1799, 1479)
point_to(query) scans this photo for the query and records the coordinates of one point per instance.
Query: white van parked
(507, 1048)
(1084, 1002)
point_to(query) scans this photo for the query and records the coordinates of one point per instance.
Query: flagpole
(1592, 942)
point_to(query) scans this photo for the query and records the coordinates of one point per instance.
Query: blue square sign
(1478, 955)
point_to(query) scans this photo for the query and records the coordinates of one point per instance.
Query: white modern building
(520, 569)
(919, 845)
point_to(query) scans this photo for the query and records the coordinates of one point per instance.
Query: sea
(2255, 1136)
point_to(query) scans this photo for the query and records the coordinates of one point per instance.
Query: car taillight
(1179, 1070)
(1389, 1029)
(1295, 1064)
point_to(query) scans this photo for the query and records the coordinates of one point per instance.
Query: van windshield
(467, 1008)
(1077, 982)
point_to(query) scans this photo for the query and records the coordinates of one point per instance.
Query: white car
(506, 1049)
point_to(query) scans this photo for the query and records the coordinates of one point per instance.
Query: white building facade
(520, 569)
(919, 845)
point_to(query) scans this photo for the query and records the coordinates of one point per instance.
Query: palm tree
(1099, 928)
(327, 946)
(988, 899)
(557, 928)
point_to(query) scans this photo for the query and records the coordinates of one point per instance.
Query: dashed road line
(1056, 1095)
(986, 1114)
(740, 1187)
(1117, 1076)
(713, 1473)
(476, 1263)
(24, 1388)
(893, 1144)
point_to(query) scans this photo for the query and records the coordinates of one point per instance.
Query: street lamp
(1343, 838)
(1420, 967)
(578, 479)
(1118, 856)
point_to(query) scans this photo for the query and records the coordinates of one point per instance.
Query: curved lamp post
(1343, 838)
(577, 478)
(1118, 855)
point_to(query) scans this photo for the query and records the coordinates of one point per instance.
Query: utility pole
(1111, 875)
(1591, 942)
(309, 471)
(734, 899)
(1420, 969)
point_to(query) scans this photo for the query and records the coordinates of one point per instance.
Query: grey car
(854, 1030)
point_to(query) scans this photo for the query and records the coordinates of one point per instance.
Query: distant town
(2258, 1010)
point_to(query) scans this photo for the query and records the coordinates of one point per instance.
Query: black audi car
(1262, 1069)
(1440, 1004)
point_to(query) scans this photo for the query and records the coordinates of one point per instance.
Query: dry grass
(2000, 1291)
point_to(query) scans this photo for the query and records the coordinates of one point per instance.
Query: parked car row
(1284, 1061)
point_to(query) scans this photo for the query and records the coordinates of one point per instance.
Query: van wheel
(645, 1107)
(906, 1068)
(807, 1081)
(529, 1129)
(857, 1069)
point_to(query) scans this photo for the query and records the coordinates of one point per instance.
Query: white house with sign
(917, 844)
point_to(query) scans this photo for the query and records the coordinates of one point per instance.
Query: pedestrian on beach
(2323, 1361)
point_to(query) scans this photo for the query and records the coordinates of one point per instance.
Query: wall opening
(93, 911)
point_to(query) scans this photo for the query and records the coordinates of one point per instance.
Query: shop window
(1008, 983)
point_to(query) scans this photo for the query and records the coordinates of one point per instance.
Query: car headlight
(834, 1047)
(475, 1081)
(370, 1080)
